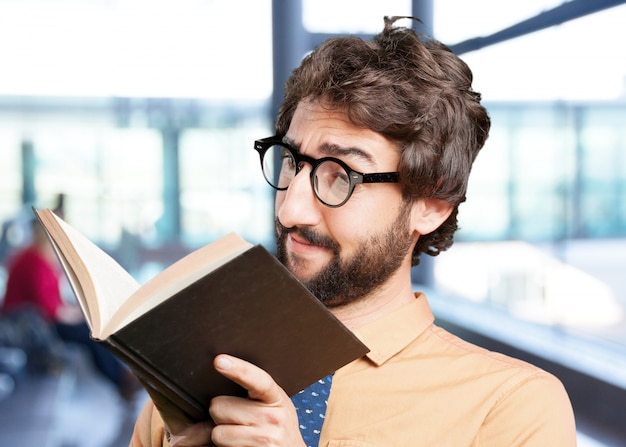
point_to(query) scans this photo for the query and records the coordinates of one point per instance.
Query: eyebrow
(329, 149)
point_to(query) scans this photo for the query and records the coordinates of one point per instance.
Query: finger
(259, 384)
(262, 426)
(235, 435)
(237, 411)
(192, 436)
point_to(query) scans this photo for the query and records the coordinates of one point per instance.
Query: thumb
(259, 384)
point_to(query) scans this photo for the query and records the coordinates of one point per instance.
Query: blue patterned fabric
(310, 405)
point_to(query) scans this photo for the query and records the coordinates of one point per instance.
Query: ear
(428, 214)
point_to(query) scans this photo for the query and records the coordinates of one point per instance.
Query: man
(401, 110)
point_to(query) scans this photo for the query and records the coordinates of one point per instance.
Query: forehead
(316, 128)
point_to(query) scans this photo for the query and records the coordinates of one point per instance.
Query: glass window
(136, 48)
(112, 177)
(10, 171)
(350, 16)
(222, 188)
(573, 61)
(544, 225)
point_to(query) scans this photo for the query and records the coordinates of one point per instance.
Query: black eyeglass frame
(354, 177)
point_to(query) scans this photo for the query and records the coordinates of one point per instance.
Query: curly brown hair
(414, 91)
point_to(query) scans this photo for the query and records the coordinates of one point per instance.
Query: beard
(344, 281)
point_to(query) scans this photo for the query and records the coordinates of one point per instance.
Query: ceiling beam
(565, 12)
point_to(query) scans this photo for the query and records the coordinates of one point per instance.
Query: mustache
(307, 235)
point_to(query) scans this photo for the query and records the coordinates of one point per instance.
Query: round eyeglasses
(333, 181)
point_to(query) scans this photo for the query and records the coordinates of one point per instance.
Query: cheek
(365, 218)
(278, 201)
(349, 227)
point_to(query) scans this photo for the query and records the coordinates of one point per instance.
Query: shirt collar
(390, 334)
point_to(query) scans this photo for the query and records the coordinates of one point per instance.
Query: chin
(300, 272)
(304, 270)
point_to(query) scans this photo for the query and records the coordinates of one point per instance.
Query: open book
(226, 297)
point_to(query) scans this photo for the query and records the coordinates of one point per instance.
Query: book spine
(157, 381)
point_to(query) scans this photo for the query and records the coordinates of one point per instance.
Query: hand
(180, 430)
(266, 418)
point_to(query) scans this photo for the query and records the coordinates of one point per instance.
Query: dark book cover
(252, 308)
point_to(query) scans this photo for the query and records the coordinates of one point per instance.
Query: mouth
(303, 245)
(304, 256)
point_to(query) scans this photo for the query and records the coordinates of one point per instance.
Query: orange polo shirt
(422, 386)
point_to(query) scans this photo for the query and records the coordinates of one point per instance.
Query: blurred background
(142, 114)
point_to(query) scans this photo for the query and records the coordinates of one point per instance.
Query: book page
(111, 284)
(75, 284)
(176, 277)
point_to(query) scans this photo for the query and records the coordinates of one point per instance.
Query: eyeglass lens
(330, 180)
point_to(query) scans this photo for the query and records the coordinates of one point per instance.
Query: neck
(392, 295)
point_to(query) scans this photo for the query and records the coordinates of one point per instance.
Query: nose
(298, 206)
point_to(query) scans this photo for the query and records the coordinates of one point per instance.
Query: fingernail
(223, 362)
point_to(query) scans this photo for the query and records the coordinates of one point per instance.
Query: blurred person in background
(33, 301)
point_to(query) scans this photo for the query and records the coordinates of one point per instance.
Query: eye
(339, 181)
(332, 182)
(287, 160)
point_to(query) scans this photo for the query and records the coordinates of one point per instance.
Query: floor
(70, 408)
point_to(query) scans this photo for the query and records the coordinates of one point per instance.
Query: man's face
(346, 253)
